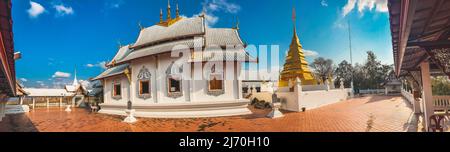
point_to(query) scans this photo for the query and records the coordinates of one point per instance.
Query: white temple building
(178, 68)
(74, 94)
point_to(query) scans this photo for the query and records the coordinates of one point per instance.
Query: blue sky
(57, 36)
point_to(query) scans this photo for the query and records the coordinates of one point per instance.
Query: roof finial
(140, 25)
(178, 11)
(168, 11)
(120, 44)
(294, 18)
(161, 16)
(237, 23)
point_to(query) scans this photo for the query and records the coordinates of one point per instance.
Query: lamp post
(129, 111)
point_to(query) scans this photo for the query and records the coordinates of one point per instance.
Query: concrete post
(48, 102)
(1, 111)
(60, 101)
(21, 100)
(342, 87)
(327, 85)
(298, 86)
(386, 92)
(352, 91)
(34, 103)
(427, 93)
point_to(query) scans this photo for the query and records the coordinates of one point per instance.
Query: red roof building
(7, 70)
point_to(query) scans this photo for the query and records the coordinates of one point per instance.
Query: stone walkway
(371, 113)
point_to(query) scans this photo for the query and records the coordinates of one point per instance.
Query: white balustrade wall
(299, 98)
(441, 103)
(372, 91)
(409, 96)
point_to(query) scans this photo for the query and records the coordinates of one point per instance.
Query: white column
(1, 111)
(427, 94)
(21, 100)
(48, 102)
(60, 101)
(34, 102)
(386, 90)
(158, 81)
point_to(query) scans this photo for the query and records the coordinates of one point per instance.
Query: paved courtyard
(371, 113)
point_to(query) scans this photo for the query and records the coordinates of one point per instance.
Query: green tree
(440, 86)
(343, 71)
(372, 69)
(323, 68)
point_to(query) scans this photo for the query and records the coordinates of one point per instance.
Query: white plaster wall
(107, 88)
(136, 66)
(289, 101)
(200, 88)
(193, 90)
(314, 87)
(315, 99)
(294, 101)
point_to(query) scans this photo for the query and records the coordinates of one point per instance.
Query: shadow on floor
(17, 123)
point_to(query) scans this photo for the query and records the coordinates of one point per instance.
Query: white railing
(372, 91)
(409, 96)
(441, 103)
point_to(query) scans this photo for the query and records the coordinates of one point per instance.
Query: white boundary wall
(296, 100)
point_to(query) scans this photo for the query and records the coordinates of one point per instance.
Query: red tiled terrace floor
(371, 113)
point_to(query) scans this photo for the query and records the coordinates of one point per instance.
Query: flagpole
(351, 56)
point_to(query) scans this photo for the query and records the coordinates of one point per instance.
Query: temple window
(144, 87)
(216, 82)
(117, 90)
(144, 83)
(174, 81)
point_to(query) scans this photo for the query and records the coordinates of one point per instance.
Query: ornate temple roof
(176, 34)
(155, 39)
(34, 92)
(7, 62)
(222, 37)
(123, 52)
(116, 70)
(185, 27)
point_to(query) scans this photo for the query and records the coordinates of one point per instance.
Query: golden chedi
(296, 65)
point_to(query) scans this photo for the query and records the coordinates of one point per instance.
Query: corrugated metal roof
(183, 28)
(35, 92)
(112, 71)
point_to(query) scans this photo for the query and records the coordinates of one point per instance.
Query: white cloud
(378, 5)
(213, 6)
(310, 53)
(63, 10)
(90, 65)
(324, 3)
(23, 80)
(99, 64)
(59, 74)
(113, 4)
(35, 10)
(41, 84)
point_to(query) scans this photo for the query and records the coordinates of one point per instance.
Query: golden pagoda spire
(296, 64)
(168, 11)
